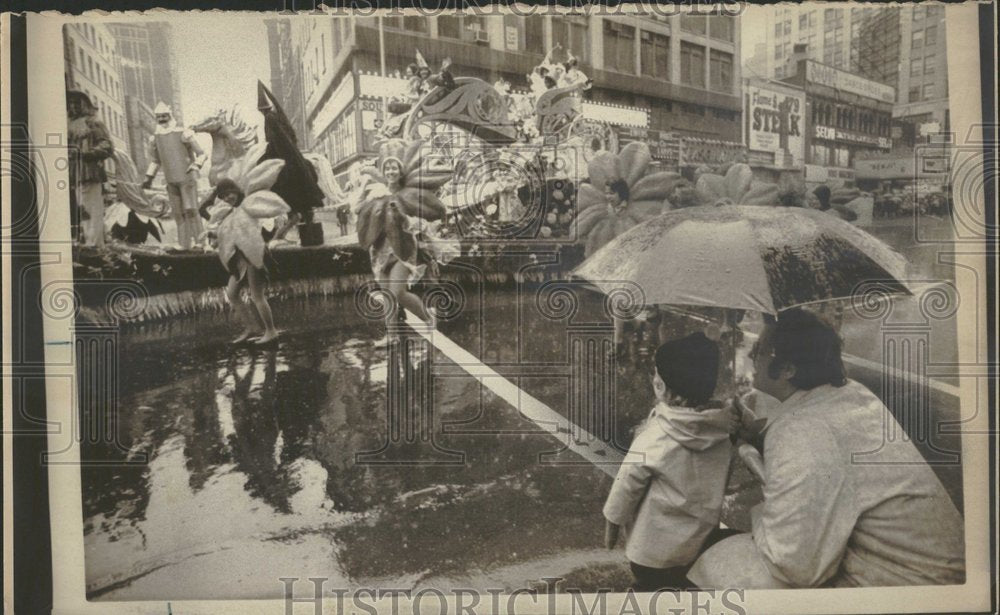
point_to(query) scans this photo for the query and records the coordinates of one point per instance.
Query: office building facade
(653, 76)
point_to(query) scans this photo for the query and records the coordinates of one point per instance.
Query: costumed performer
(242, 249)
(399, 226)
(174, 149)
(89, 146)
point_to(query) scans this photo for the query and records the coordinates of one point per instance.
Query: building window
(929, 66)
(779, 52)
(779, 72)
(721, 27)
(449, 26)
(914, 94)
(693, 23)
(655, 55)
(692, 64)
(777, 29)
(721, 70)
(533, 35)
(90, 68)
(918, 38)
(930, 35)
(918, 12)
(571, 33)
(803, 21)
(928, 91)
(916, 67)
(619, 47)
(788, 26)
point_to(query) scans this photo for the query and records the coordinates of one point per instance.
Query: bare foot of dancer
(269, 337)
(246, 336)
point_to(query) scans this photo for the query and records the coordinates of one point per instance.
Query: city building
(148, 64)
(826, 32)
(847, 117)
(904, 46)
(92, 66)
(286, 75)
(654, 77)
(140, 125)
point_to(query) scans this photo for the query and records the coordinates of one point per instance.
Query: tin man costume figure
(174, 149)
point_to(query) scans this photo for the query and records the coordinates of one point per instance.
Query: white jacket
(669, 489)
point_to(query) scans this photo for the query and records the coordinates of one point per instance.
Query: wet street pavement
(240, 466)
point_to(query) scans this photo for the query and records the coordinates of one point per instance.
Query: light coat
(668, 492)
(845, 505)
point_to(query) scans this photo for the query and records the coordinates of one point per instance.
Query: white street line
(588, 447)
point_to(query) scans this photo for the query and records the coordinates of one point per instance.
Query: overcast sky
(219, 60)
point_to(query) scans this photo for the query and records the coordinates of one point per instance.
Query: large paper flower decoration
(736, 187)
(622, 192)
(239, 227)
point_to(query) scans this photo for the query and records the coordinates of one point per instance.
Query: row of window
(95, 38)
(114, 121)
(100, 77)
(849, 117)
(924, 37)
(720, 27)
(619, 46)
(925, 92)
(922, 66)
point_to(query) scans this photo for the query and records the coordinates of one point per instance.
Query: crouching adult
(844, 505)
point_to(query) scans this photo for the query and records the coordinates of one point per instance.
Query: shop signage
(773, 115)
(901, 167)
(619, 116)
(885, 168)
(665, 147)
(835, 134)
(839, 80)
(512, 37)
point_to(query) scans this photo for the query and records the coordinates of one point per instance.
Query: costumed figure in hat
(398, 223)
(298, 182)
(235, 212)
(89, 145)
(174, 149)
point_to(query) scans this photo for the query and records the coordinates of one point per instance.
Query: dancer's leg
(256, 278)
(398, 276)
(243, 311)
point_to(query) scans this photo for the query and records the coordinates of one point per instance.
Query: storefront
(848, 117)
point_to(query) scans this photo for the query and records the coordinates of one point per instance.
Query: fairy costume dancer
(241, 246)
(397, 224)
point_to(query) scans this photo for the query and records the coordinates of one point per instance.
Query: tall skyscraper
(826, 32)
(904, 46)
(148, 63)
(286, 75)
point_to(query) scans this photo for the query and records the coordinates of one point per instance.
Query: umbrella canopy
(758, 258)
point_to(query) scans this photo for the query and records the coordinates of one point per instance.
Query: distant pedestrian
(343, 217)
(668, 492)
